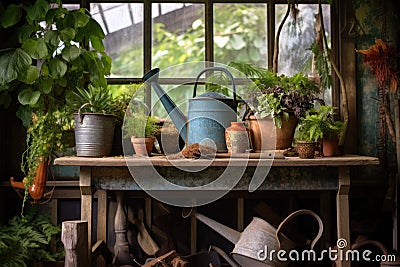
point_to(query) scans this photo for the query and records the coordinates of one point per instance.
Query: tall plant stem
(343, 91)
(276, 44)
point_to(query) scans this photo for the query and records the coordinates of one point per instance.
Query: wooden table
(111, 173)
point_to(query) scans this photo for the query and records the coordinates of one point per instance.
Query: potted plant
(281, 99)
(287, 102)
(331, 130)
(94, 121)
(309, 132)
(140, 128)
(45, 56)
(319, 125)
(142, 138)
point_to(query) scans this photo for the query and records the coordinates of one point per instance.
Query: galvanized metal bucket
(94, 134)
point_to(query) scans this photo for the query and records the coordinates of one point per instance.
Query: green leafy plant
(278, 96)
(140, 125)
(45, 134)
(47, 55)
(29, 239)
(50, 54)
(318, 124)
(294, 94)
(93, 100)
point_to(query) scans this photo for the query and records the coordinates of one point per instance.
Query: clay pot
(306, 150)
(262, 133)
(143, 146)
(236, 137)
(330, 148)
(284, 135)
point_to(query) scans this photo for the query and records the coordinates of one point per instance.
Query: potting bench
(288, 174)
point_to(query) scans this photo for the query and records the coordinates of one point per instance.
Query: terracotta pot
(330, 148)
(143, 146)
(306, 150)
(236, 137)
(284, 135)
(262, 134)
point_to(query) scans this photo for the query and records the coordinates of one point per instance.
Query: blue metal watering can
(208, 115)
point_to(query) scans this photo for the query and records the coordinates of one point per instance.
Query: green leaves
(12, 63)
(35, 48)
(38, 10)
(29, 239)
(57, 68)
(80, 18)
(71, 53)
(67, 34)
(28, 97)
(11, 16)
(30, 76)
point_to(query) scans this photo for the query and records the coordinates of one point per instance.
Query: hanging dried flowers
(382, 60)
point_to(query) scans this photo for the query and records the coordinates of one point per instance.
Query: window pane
(240, 33)
(297, 36)
(123, 25)
(178, 34)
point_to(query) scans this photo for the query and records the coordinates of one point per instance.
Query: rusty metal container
(94, 134)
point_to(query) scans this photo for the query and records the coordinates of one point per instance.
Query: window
(143, 34)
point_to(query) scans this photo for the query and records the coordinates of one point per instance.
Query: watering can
(259, 238)
(208, 115)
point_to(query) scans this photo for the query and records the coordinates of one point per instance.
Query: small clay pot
(330, 148)
(143, 146)
(236, 137)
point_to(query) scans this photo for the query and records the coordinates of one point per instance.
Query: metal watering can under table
(208, 115)
(258, 239)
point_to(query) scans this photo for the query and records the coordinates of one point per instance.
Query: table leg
(343, 218)
(85, 182)
(121, 247)
(102, 215)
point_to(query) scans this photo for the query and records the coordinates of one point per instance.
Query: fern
(25, 240)
(322, 66)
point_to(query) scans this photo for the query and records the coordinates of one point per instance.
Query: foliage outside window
(178, 35)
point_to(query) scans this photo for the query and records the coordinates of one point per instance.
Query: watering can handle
(218, 69)
(296, 213)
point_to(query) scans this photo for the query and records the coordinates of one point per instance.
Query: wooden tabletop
(163, 161)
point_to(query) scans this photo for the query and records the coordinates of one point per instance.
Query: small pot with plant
(309, 132)
(319, 125)
(287, 102)
(142, 130)
(331, 129)
(140, 127)
(94, 121)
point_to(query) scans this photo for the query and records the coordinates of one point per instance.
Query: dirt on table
(195, 151)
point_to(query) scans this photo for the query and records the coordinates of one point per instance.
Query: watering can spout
(232, 235)
(177, 117)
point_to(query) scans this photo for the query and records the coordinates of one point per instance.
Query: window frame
(209, 32)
